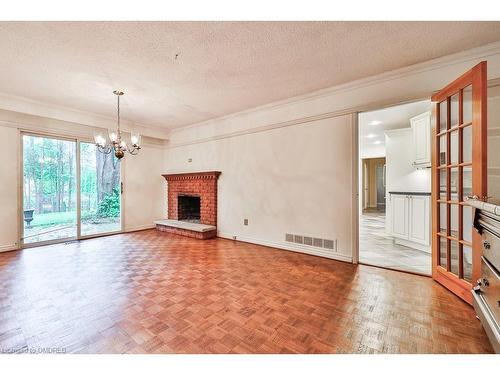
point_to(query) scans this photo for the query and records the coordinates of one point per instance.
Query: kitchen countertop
(410, 193)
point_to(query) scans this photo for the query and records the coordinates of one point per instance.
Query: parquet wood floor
(153, 292)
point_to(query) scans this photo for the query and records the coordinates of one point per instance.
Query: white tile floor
(377, 248)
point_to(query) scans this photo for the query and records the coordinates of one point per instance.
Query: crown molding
(42, 109)
(429, 65)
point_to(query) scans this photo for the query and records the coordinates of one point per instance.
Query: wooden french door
(458, 172)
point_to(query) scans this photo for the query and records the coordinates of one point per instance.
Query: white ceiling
(221, 68)
(373, 124)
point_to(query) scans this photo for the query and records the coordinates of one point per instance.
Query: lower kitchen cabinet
(411, 219)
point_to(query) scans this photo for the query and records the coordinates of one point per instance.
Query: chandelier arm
(133, 151)
(104, 149)
(117, 145)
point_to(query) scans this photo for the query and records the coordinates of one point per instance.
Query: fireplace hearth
(188, 208)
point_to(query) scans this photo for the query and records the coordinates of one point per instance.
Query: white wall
(401, 175)
(301, 138)
(372, 151)
(9, 161)
(295, 180)
(494, 142)
(236, 144)
(144, 190)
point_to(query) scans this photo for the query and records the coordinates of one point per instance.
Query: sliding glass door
(49, 189)
(100, 198)
(50, 210)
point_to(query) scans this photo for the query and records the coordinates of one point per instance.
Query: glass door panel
(458, 172)
(49, 189)
(100, 191)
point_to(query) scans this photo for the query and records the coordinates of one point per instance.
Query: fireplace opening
(188, 208)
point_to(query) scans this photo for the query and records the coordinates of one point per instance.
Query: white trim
(413, 245)
(11, 247)
(395, 131)
(140, 227)
(441, 62)
(262, 128)
(355, 202)
(73, 132)
(290, 247)
(39, 108)
(50, 110)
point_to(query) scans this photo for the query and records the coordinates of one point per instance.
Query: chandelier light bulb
(116, 143)
(113, 136)
(134, 139)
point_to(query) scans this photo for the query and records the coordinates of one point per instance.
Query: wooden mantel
(192, 176)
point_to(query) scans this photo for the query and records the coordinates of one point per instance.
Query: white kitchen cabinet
(411, 220)
(421, 129)
(419, 219)
(399, 205)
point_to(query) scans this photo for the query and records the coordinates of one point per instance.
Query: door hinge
(121, 187)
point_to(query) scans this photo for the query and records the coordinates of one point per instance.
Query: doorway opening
(395, 187)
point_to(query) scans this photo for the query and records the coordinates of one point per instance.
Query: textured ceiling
(221, 68)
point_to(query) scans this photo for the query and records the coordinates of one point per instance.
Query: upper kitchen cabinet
(421, 128)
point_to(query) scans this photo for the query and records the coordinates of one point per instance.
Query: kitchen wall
(143, 184)
(401, 175)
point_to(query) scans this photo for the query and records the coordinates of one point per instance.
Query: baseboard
(140, 227)
(413, 245)
(8, 248)
(290, 247)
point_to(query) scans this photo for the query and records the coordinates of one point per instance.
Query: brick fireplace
(192, 199)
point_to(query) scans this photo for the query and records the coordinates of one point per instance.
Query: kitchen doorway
(394, 189)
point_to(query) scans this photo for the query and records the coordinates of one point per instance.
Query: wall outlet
(245, 222)
(234, 238)
(190, 160)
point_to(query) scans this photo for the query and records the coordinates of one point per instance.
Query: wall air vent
(298, 239)
(317, 242)
(311, 241)
(328, 244)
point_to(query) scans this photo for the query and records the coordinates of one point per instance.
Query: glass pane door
(459, 171)
(455, 172)
(49, 189)
(100, 199)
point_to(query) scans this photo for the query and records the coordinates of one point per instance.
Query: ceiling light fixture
(375, 122)
(116, 143)
(377, 142)
(371, 135)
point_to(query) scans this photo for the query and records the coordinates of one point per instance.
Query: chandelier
(116, 143)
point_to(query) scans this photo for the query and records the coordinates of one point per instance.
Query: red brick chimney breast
(200, 184)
